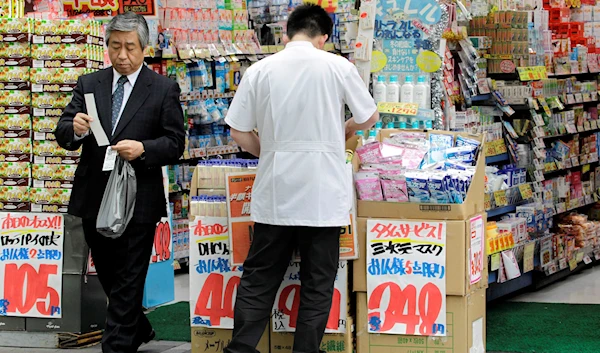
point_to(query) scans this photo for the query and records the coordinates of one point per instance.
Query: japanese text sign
(31, 262)
(406, 277)
(241, 227)
(163, 242)
(213, 280)
(287, 301)
(477, 251)
(109, 8)
(402, 27)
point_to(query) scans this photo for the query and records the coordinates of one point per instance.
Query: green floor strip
(172, 322)
(543, 328)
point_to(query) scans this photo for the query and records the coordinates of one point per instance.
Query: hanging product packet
(368, 186)
(393, 184)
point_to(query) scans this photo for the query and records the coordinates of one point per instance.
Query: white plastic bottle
(422, 93)
(361, 136)
(393, 90)
(372, 137)
(378, 126)
(408, 90)
(380, 90)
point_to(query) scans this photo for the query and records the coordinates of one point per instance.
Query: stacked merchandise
(37, 174)
(221, 233)
(441, 195)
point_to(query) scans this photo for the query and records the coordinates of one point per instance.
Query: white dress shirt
(128, 88)
(296, 100)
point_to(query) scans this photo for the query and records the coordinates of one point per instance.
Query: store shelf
(498, 290)
(481, 98)
(541, 280)
(495, 212)
(557, 171)
(496, 159)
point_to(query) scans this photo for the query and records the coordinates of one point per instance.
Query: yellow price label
(488, 201)
(573, 264)
(528, 264)
(585, 169)
(532, 73)
(500, 197)
(526, 192)
(398, 108)
(490, 150)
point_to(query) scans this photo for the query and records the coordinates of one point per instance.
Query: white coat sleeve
(242, 113)
(357, 97)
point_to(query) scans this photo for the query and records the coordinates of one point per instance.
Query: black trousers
(122, 265)
(267, 262)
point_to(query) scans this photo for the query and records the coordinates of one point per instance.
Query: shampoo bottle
(407, 91)
(422, 93)
(393, 90)
(380, 90)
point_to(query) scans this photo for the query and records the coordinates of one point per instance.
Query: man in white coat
(296, 100)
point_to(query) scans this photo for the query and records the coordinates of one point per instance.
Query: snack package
(15, 126)
(15, 174)
(53, 176)
(49, 200)
(14, 198)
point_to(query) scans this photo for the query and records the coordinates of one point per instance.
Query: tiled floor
(153, 347)
(587, 285)
(581, 288)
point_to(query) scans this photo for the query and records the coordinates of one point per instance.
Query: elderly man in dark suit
(140, 112)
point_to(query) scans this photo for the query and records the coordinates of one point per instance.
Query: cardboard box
(473, 205)
(458, 235)
(283, 342)
(83, 307)
(212, 340)
(465, 321)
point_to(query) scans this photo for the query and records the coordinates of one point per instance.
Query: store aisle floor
(586, 283)
(153, 347)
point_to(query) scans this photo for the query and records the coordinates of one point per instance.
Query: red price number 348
(402, 309)
(25, 287)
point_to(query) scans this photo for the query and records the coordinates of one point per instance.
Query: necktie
(117, 99)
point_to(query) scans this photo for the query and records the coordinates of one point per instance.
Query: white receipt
(95, 125)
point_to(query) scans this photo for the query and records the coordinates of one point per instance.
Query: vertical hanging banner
(109, 8)
(241, 228)
(163, 242)
(213, 280)
(477, 252)
(403, 28)
(406, 282)
(287, 301)
(31, 263)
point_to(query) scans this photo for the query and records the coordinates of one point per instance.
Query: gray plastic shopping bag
(118, 202)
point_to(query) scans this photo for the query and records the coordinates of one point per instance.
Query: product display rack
(537, 278)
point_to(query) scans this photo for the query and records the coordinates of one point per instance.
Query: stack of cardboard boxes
(465, 285)
(465, 302)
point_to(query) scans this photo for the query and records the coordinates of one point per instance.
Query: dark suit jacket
(152, 115)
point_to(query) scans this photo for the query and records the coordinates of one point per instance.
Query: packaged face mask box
(528, 213)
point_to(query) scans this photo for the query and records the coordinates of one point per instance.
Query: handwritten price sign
(213, 280)
(31, 257)
(287, 302)
(398, 108)
(406, 283)
(163, 242)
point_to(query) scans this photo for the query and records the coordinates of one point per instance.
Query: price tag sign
(528, 257)
(488, 201)
(418, 302)
(587, 125)
(526, 192)
(587, 260)
(398, 108)
(573, 264)
(500, 197)
(532, 73)
(597, 255)
(495, 265)
(575, 161)
(594, 124)
(562, 264)
(585, 169)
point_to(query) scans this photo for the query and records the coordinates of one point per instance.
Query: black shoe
(150, 336)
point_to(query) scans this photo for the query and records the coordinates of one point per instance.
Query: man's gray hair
(129, 22)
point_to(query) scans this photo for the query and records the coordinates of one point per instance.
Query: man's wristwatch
(143, 155)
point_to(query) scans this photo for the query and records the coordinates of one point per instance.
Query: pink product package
(368, 187)
(389, 150)
(395, 190)
(370, 153)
